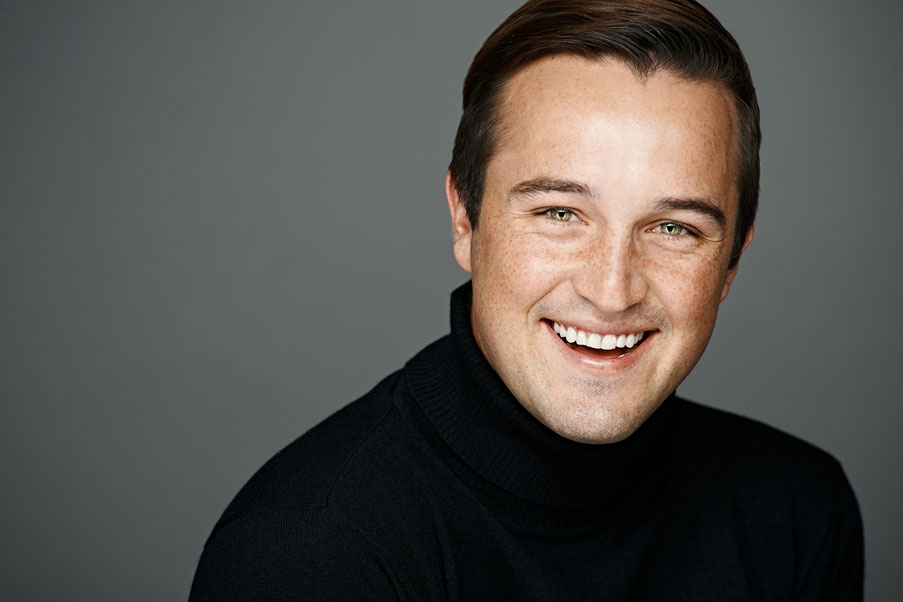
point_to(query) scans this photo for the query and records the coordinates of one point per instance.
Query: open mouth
(599, 345)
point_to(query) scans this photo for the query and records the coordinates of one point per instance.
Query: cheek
(688, 286)
(690, 291)
(515, 266)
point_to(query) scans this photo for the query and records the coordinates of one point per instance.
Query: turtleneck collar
(488, 430)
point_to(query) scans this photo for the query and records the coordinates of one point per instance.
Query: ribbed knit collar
(485, 427)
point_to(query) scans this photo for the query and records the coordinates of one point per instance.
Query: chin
(596, 425)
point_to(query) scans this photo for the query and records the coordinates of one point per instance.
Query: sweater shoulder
(791, 503)
(727, 443)
(302, 475)
(724, 426)
(276, 553)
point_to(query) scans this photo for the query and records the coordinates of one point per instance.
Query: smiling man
(606, 216)
(602, 189)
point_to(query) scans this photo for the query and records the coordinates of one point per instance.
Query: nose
(609, 273)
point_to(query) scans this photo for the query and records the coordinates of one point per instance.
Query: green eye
(672, 229)
(562, 215)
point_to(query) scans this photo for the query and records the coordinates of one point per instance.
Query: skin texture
(589, 243)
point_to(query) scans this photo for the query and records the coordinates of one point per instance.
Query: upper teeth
(596, 341)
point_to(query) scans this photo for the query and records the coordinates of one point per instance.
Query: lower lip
(612, 364)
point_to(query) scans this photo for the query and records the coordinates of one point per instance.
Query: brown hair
(679, 36)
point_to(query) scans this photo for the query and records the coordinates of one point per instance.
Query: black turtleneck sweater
(438, 485)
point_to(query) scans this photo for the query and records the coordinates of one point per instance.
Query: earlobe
(462, 232)
(732, 273)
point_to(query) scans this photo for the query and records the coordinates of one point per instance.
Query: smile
(597, 340)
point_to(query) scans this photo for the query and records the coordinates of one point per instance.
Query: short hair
(677, 36)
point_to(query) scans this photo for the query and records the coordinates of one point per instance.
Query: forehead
(596, 120)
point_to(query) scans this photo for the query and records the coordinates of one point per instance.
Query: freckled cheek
(519, 267)
(689, 292)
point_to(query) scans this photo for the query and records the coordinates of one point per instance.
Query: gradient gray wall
(219, 222)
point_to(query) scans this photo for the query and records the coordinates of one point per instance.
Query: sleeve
(835, 570)
(277, 554)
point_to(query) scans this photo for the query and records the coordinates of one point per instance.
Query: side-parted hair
(677, 36)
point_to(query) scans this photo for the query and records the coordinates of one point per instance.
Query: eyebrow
(545, 185)
(702, 206)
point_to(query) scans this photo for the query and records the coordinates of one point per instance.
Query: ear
(732, 273)
(462, 232)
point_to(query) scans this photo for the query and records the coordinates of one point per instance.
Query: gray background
(219, 222)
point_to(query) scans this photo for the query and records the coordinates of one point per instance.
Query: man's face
(608, 209)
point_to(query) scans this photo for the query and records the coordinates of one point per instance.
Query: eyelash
(686, 230)
(551, 210)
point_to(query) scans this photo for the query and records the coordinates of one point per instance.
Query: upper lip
(601, 328)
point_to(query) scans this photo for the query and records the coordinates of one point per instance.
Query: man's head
(677, 36)
(603, 184)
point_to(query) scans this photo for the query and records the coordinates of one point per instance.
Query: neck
(511, 459)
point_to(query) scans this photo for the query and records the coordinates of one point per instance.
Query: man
(602, 188)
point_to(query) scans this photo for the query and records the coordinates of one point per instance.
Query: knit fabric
(438, 485)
